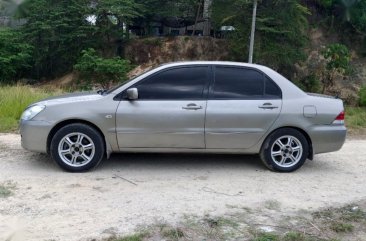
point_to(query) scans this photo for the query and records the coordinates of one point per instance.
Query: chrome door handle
(268, 106)
(192, 107)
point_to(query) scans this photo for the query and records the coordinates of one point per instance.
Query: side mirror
(132, 94)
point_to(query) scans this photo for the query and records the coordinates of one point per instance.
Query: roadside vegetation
(356, 117)
(332, 224)
(13, 101)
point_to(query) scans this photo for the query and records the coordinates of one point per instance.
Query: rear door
(243, 103)
(169, 112)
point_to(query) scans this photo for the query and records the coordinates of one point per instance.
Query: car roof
(182, 63)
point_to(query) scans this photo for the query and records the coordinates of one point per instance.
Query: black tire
(286, 152)
(80, 155)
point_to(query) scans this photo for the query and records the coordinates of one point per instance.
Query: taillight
(339, 120)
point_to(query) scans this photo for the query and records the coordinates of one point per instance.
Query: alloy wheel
(76, 149)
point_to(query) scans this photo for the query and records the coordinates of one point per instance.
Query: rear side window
(242, 83)
(174, 84)
(271, 89)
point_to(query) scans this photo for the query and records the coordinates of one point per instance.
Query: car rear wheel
(285, 150)
(77, 147)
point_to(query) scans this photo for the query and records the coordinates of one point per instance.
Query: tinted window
(272, 90)
(172, 84)
(238, 83)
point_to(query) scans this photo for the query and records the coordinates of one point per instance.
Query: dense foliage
(15, 55)
(351, 13)
(280, 32)
(104, 70)
(58, 31)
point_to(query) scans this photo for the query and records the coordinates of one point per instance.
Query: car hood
(71, 98)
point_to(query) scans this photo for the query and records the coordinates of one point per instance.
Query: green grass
(356, 117)
(13, 101)
(341, 227)
(173, 234)
(267, 237)
(134, 237)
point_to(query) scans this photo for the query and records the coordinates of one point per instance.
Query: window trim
(264, 76)
(203, 95)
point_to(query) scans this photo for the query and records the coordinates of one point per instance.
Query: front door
(169, 112)
(243, 103)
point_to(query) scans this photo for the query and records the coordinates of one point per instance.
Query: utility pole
(251, 46)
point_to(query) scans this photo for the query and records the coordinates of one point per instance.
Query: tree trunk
(197, 16)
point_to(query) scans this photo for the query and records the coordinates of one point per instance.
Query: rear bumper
(34, 135)
(327, 138)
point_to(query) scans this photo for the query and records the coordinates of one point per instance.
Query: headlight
(32, 112)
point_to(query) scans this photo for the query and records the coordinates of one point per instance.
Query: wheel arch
(302, 131)
(64, 123)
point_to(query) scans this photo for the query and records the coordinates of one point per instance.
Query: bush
(362, 95)
(338, 56)
(15, 55)
(102, 70)
(309, 83)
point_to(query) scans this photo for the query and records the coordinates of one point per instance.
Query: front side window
(174, 84)
(243, 83)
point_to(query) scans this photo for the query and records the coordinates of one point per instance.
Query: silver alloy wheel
(286, 151)
(76, 149)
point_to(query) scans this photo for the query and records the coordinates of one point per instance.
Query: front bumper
(34, 135)
(327, 138)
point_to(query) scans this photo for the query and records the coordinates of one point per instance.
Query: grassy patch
(356, 117)
(6, 189)
(172, 233)
(347, 219)
(341, 227)
(266, 237)
(134, 237)
(13, 101)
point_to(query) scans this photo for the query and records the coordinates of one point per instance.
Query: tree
(280, 30)
(348, 5)
(112, 20)
(58, 31)
(172, 13)
(348, 12)
(15, 55)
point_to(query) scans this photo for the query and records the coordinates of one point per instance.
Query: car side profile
(203, 107)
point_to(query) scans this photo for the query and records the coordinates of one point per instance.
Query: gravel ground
(136, 189)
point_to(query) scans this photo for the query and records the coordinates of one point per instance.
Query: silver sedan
(206, 107)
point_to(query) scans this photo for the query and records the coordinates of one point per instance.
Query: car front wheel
(77, 147)
(285, 150)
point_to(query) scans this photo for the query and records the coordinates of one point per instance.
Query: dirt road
(49, 204)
